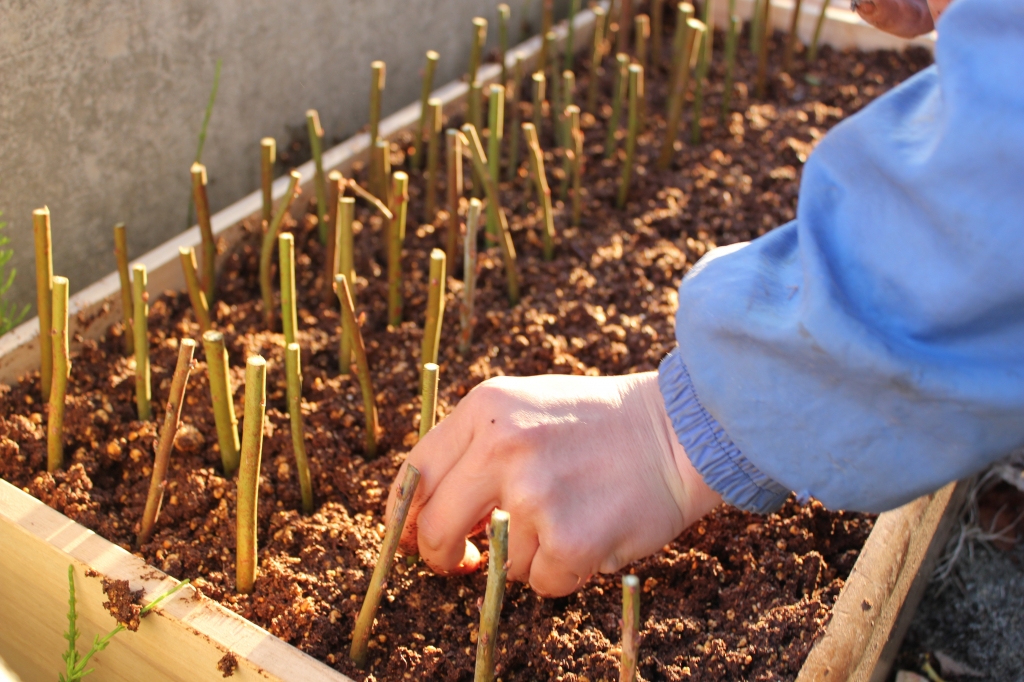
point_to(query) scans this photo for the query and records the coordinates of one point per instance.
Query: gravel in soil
(737, 596)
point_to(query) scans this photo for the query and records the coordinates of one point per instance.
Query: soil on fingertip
(736, 596)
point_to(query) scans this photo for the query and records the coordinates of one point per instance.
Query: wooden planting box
(187, 636)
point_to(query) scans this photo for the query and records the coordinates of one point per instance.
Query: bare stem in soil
(547, 21)
(596, 55)
(200, 308)
(496, 125)
(121, 256)
(453, 149)
(268, 156)
(490, 612)
(618, 94)
(504, 14)
(540, 180)
(377, 78)
(554, 81)
(249, 473)
(681, 64)
(475, 117)
(642, 31)
(577, 164)
(172, 417)
(346, 266)
(630, 627)
(140, 328)
(731, 42)
(375, 590)
(812, 51)
(267, 248)
(657, 29)
(428, 86)
(293, 370)
(286, 271)
(380, 182)
(570, 38)
(539, 86)
(787, 59)
(568, 90)
(222, 398)
(517, 117)
(348, 318)
(433, 154)
(316, 141)
(756, 30)
(761, 86)
(335, 190)
(469, 275)
(477, 50)
(209, 246)
(636, 91)
(508, 250)
(396, 237)
(703, 64)
(435, 308)
(428, 403)
(44, 295)
(61, 371)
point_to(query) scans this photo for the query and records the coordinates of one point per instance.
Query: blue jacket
(872, 350)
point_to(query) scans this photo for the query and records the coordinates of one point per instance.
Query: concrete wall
(102, 102)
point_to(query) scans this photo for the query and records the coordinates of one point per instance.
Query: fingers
(904, 18)
(550, 577)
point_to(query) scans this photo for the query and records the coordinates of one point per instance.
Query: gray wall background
(101, 103)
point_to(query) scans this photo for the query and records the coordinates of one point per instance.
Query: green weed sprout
(172, 418)
(209, 246)
(428, 86)
(61, 372)
(630, 627)
(75, 661)
(121, 256)
(469, 275)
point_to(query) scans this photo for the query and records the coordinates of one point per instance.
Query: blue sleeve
(872, 350)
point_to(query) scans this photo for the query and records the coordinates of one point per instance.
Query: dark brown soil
(123, 603)
(738, 596)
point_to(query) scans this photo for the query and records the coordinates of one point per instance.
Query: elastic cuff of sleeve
(715, 457)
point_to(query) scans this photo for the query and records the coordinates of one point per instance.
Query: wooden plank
(181, 640)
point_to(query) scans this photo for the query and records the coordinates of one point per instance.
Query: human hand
(588, 467)
(905, 18)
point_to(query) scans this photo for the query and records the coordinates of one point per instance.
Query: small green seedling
(140, 327)
(316, 143)
(61, 372)
(293, 370)
(121, 256)
(374, 592)
(200, 308)
(349, 320)
(630, 627)
(494, 595)
(44, 295)
(269, 240)
(209, 246)
(172, 418)
(249, 473)
(74, 660)
(223, 401)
